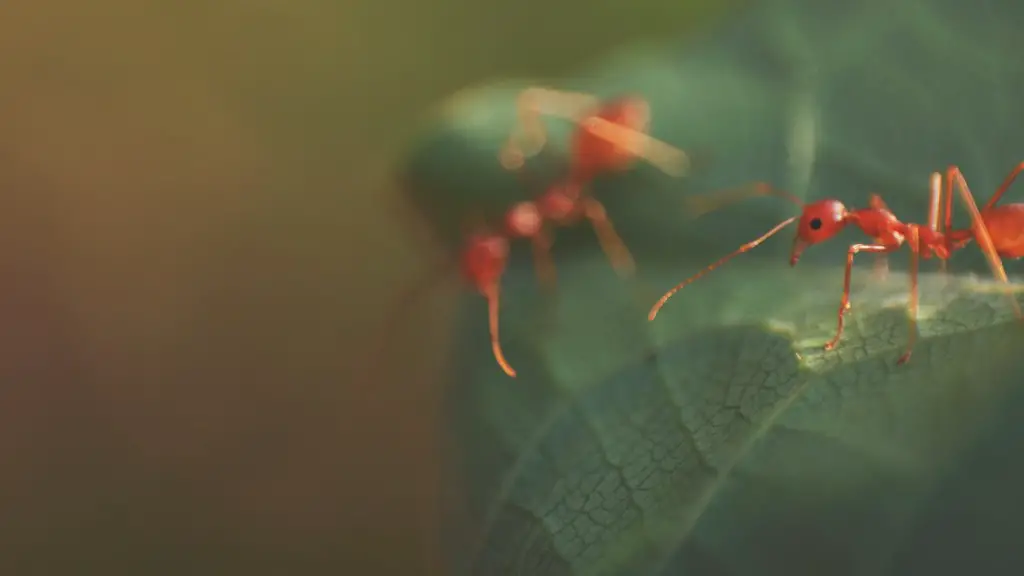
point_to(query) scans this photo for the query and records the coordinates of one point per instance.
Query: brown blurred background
(198, 240)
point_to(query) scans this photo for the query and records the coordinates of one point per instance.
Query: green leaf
(722, 430)
(721, 439)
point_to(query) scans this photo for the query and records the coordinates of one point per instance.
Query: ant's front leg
(530, 134)
(844, 305)
(609, 239)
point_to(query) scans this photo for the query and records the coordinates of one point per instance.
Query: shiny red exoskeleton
(610, 137)
(484, 255)
(999, 230)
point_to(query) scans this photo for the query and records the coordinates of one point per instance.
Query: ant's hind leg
(530, 134)
(983, 237)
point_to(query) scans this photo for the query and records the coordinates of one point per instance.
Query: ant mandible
(610, 136)
(998, 230)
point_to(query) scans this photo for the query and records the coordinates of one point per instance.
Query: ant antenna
(700, 205)
(493, 295)
(745, 248)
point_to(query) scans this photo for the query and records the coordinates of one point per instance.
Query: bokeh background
(198, 236)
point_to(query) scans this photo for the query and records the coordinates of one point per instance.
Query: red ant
(485, 253)
(605, 141)
(998, 230)
(610, 136)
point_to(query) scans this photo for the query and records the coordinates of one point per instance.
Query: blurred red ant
(605, 142)
(999, 231)
(610, 136)
(485, 253)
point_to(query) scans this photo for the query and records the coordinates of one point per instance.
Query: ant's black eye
(815, 223)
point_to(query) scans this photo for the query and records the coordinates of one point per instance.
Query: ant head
(483, 260)
(820, 221)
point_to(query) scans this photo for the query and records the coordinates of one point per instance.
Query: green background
(198, 236)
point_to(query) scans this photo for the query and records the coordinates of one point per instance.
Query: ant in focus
(609, 137)
(999, 231)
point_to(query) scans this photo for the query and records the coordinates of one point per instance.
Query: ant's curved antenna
(744, 248)
(699, 205)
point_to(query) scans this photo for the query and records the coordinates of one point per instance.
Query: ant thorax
(524, 220)
(559, 203)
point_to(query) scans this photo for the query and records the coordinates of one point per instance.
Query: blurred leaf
(700, 444)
